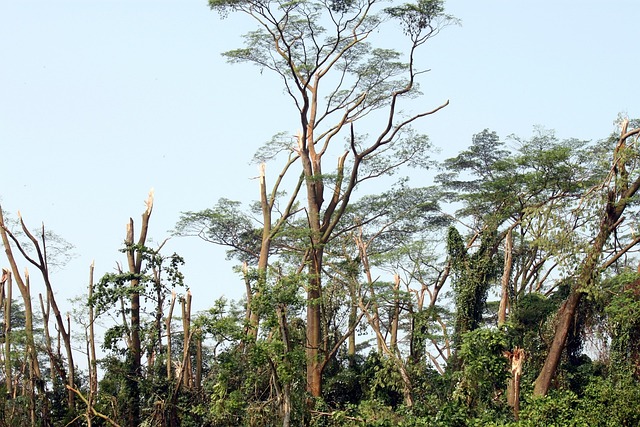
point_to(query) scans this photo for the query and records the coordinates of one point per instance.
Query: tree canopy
(501, 290)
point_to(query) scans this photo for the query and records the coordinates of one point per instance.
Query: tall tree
(618, 191)
(125, 289)
(335, 78)
(251, 242)
(528, 196)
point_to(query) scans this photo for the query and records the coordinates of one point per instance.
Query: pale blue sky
(102, 100)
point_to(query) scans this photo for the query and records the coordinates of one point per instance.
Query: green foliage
(530, 328)
(555, 409)
(603, 404)
(224, 224)
(607, 403)
(481, 382)
(420, 17)
(542, 190)
(623, 320)
(473, 274)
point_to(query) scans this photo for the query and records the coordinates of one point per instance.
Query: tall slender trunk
(6, 278)
(565, 320)
(187, 378)
(134, 357)
(364, 258)
(263, 258)
(198, 379)
(314, 328)
(315, 188)
(506, 276)
(57, 371)
(396, 314)
(588, 272)
(285, 391)
(134, 258)
(35, 376)
(516, 359)
(168, 328)
(93, 362)
(353, 319)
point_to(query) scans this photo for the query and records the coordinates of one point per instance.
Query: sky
(100, 101)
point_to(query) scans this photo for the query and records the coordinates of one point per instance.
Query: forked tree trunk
(35, 378)
(407, 387)
(41, 262)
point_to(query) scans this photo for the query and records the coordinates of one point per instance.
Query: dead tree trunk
(135, 257)
(57, 371)
(34, 375)
(516, 358)
(41, 262)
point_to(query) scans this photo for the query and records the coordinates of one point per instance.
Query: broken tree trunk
(516, 358)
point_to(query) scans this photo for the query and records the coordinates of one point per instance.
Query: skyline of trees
(502, 289)
(416, 289)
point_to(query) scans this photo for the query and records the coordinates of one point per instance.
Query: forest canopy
(502, 290)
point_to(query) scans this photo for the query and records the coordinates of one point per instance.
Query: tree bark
(396, 314)
(134, 258)
(314, 332)
(506, 276)
(187, 378)
(198, 378)
(6, 278)
(168, 328)
(516, 358)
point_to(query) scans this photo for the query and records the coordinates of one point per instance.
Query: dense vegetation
(504, 291)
